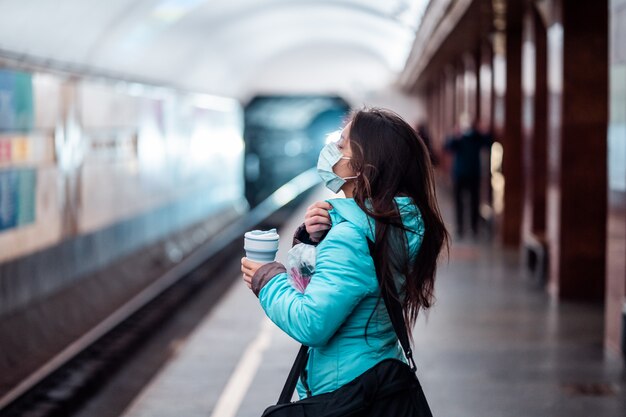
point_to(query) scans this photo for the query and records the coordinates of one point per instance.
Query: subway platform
(493, 345)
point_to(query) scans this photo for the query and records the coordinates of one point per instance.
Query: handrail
(277, 200)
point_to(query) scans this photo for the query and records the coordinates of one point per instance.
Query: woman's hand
(248, 268)
(317, 220)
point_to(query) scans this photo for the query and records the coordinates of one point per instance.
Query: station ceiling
(231, 47)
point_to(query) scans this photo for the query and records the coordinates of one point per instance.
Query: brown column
(485, 75)
(431, 110)
(616, 270)
(578, 111)
(534, 122)
(477, 96)
(433, 122)
(512, 140)
(484, 105)
(470, 84)
(452, 117)
(616, 225)
(443, 127)
(448, 113)
(459, 83)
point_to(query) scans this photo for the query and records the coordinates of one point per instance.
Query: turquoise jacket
(331, 315)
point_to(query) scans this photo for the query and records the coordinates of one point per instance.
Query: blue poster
(16, 101)
(17, 197)
(8, 200)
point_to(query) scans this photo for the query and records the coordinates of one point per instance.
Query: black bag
(389, 389)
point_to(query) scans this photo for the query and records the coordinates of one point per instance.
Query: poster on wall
(16, 101)
(17, 197)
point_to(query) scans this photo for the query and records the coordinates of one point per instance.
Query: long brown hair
(392, 160)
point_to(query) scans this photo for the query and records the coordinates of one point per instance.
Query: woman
(384, 169)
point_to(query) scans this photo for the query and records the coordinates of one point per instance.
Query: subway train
(107, 183)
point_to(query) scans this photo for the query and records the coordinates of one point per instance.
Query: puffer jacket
(331, 315)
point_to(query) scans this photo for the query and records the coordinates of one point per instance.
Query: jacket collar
(346, 209)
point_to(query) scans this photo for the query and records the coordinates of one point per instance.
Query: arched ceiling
(230, 47)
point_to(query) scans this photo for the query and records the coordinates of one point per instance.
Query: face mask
(329, 156)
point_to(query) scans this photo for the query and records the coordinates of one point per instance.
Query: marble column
(616, 225)
(512, 138)
(534, 122)
(577, 148)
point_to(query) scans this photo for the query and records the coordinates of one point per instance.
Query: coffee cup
(261, 245)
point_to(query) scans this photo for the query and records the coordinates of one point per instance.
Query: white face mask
(329, 156)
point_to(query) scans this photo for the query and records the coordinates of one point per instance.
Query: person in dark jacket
(466, 172)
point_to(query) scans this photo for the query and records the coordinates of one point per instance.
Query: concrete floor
(492, 345)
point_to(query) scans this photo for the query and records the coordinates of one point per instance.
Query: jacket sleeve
(344, 275)
(302, 236)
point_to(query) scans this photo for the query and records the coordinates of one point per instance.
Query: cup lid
(262, 234)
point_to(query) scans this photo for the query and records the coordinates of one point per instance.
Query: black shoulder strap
(296, 370)
(394, 308)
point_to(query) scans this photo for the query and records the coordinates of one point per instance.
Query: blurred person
(385, 172)
(466, 145)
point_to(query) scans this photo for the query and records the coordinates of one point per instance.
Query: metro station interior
(140, 140)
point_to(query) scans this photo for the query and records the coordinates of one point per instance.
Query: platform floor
(492, 346)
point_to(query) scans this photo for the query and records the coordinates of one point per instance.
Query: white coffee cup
(261, 245)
